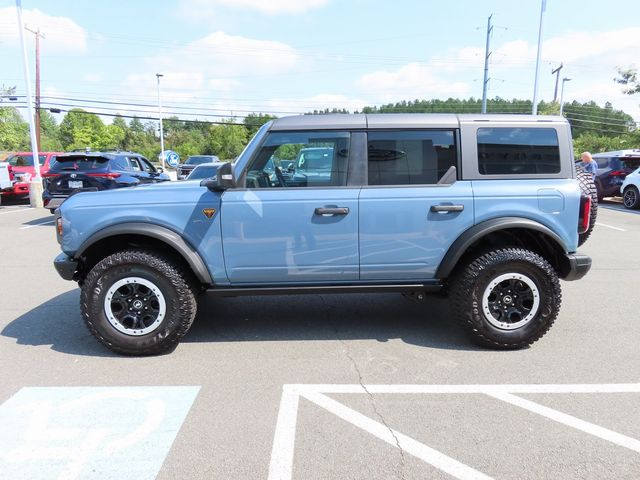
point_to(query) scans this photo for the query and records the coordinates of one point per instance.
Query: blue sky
(229, 57)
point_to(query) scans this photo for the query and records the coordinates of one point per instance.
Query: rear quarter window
(518, 151)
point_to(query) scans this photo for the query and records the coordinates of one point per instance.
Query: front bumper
(578, 266)
(65, 266)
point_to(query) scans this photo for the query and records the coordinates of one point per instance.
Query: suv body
(486, 208)
(613, 167)
(94, 171)
(23, 170)
(192, 162)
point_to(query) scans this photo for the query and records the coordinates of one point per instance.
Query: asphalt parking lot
(320, 386)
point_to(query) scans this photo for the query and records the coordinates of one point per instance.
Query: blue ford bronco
(489, 210)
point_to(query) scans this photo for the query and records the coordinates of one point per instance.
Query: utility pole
(557, 72)
(38, 36)
(487, 53)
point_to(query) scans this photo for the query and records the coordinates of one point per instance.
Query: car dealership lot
(217, 407)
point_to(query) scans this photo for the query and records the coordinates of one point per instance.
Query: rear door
(413, 208)
(292, 226)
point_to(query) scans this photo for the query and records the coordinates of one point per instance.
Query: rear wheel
(631, 197)
(506, 299)
(137, 303)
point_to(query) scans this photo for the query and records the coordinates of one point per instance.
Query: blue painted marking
(90, 432)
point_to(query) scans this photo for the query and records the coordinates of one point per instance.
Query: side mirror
(221, 181)
(160, 170)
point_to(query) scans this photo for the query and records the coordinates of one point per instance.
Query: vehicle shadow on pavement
(56, 323)
(329, 317)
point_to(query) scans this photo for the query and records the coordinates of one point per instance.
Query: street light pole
(35, 184)
(564, 80)
(158, 75)
(534, 110)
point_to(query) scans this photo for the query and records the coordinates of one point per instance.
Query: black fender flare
(165, 235)
(475, 233)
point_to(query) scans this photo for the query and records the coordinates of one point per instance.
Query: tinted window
(410, 157)
(79, 163)
(197, 160)
(25, 160)
(301, 159)
(146, 166)
(509, 151)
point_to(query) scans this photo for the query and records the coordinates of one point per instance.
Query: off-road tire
(631, 198)
(471, 284)
(588, 188)
(154, 269)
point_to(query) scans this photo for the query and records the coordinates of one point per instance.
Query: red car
(21, 165)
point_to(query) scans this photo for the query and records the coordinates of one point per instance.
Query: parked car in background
(613, 167)
(192, 162)
(205, 170)
(630, 190)
(22, 168)
(94, 171)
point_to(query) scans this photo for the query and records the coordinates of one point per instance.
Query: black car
(613, 167)
(192, 162)
(92, 171)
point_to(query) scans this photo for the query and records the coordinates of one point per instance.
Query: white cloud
(62, 34)
(209, 8)
(414, 80)
(575, 46)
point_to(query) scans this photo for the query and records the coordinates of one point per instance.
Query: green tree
(49, 137)
(254, 121)
(14, 131)
(80, 129)
(227, 140)
(629, 78)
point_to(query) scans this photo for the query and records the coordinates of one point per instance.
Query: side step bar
(319, 289)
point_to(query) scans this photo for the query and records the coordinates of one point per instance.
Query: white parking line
(282, 456)
(14, 210)
(46, 222)
(611, 227)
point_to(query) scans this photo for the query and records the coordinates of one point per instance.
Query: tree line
(594, 128)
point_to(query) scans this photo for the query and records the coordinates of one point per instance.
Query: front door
(295, 220)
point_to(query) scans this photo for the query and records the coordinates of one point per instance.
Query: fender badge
(209, 212)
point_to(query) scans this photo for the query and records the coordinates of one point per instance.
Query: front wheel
(506, 299)
(137, 303)
(631, 198)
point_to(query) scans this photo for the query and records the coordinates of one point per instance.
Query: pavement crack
(347, 352)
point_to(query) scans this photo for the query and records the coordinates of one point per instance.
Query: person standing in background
(588, 164)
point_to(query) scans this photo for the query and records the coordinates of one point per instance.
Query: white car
(630, 190)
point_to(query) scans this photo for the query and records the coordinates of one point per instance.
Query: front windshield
(24, 160)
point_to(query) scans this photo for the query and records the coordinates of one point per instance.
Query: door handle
(447, 208)
(331, 211)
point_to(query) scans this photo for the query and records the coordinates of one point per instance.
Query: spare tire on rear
(588, 188)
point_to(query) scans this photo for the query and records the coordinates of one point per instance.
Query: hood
(164, 193)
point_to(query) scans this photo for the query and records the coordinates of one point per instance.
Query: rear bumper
(579, 266)
(65, 266)
(19, 189)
